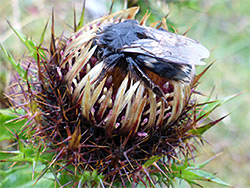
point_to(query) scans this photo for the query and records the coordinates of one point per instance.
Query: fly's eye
(141, 35)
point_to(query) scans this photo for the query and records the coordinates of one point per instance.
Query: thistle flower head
(121, 102)
(111, 120)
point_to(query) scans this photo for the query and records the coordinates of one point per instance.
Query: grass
(220, 25)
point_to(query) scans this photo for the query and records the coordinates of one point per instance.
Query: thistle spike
(80, 63)
(96, 93)
(152, 109)
(117, 105)
(104, 104)
(86, 98)
(144, 19)
(92, 74)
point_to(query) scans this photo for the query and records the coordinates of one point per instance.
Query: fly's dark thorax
(114, 37)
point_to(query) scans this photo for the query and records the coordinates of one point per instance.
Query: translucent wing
(168, 47)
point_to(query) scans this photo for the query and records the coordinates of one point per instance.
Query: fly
(167, 54)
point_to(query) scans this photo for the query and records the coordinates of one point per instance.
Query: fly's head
(112, 38)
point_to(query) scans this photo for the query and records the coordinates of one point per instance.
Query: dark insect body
(136, 48)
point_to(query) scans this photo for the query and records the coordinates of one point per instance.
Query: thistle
(107, 120)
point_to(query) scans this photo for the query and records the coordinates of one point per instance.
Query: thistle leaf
(200, 130)
(43, 33)
(25, 154)
(203, 175)
(151, 161)
(81, 21)
(211, 106)
(21, 176)
(90, 178)
(203, 164)
(44, 171)
(15, 65)
(30, 44)
(5, 128)
(27, 43)
(191, 174)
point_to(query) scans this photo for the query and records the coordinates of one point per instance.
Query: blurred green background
(222, 26)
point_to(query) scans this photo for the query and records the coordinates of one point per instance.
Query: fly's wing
(168, 47)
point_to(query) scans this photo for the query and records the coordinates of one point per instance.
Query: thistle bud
(111, 104)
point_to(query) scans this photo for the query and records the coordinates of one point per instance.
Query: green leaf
(30, 44)
(203, 175)
(21, 177)
(151, 161)
(6, 115)
(43, 33)
(26, 153)
(201, 130)
(192, 173)
(211, 106)
(90, 178)
(208, 108)
(15, 65)
(203, 164)
(18, 158)
(81, 21)
(22, 157)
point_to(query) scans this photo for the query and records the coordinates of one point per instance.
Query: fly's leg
(139, 73)
(109, 64)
